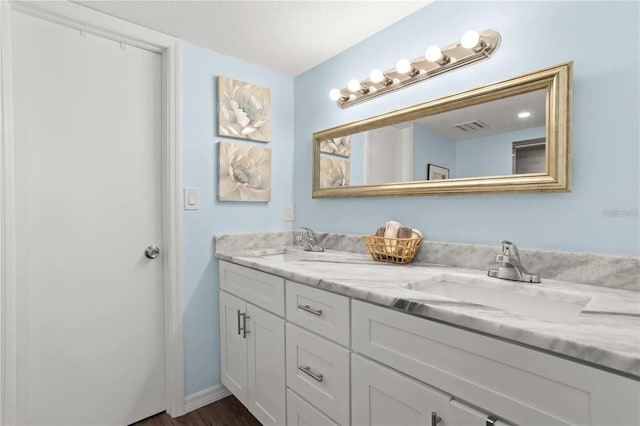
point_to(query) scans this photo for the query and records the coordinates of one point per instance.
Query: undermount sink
(521, 298)
(293, 254)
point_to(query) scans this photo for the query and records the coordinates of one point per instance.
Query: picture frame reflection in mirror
(437, 172)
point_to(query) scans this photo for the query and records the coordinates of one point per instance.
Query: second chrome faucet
(509, 265)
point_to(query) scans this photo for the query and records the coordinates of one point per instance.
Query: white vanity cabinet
(514, 384)
(348, 362)
(252, 342)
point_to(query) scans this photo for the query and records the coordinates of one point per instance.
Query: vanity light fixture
(470, 40)
(405, 67)
(434, 54)
(471, 48)
(378, 76)
(335, 94)
(354, 86)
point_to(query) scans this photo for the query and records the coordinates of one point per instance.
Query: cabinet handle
(491, 420)
(435, 419)
(307, 370)
(307, 308)
(244, 323)
(239, 326)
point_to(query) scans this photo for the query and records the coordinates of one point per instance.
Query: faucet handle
(509, 248)
(310, 232)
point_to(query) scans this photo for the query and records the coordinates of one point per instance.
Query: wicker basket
(392, 250)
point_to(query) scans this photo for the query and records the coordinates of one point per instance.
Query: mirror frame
(556, 80)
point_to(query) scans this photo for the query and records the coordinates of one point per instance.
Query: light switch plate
(288, 212)
(191, 199)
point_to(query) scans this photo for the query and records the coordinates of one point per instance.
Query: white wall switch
(191, 199)
(288, 212)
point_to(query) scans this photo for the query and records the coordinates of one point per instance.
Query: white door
(388, 155)
(88, 152)
(382, 397)
(233, 345)
(266, 399)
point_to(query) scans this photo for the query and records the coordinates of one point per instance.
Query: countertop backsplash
(622, 272)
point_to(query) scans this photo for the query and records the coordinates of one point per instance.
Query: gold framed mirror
(510, 136)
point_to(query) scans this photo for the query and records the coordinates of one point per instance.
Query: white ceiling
(500, 115)
(286, 36)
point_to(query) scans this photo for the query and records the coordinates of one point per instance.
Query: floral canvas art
(333, 172)
(243, 110)
(338, 146)
(244, 172)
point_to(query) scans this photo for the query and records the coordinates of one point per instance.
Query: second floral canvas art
(244, 172)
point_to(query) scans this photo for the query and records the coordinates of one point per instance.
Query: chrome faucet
(509, 265)
(309, 240)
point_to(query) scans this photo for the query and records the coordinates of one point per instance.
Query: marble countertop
(604, 331)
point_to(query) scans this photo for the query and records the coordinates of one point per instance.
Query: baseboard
(204, 397)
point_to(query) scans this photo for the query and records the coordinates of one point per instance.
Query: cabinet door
(382, 397)
(265, 338)
(233, 346)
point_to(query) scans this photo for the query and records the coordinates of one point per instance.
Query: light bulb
(404, 66)
(354, 85)
(470, 39)
(433, 54)
(376, 76)
(524, 114)
(335, 94)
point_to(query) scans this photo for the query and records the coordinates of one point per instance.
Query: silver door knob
(152, 252)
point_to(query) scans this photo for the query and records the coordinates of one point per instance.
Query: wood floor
(228, 412)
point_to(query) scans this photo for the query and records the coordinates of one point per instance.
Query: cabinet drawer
(462, 415)
(261, 289)
(301, 413)
(320, 311)
(318, 370)
(523, 385)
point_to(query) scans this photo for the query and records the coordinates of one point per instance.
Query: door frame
(100, 24)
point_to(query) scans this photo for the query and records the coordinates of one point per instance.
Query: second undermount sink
(520, 298)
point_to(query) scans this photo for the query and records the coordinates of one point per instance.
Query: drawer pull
(307, 308)
(435, 419)
(307, 370)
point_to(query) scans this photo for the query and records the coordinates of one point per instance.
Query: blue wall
(606, 137)
(434, 148)
(200, 67)
(491, 155)
(605, 142)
